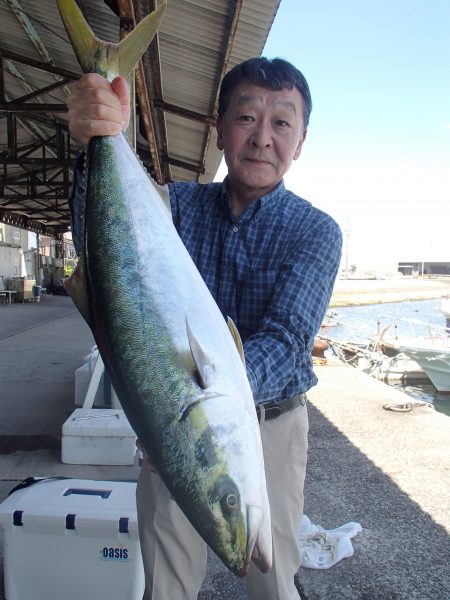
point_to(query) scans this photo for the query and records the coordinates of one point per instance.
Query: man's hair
(273, 74)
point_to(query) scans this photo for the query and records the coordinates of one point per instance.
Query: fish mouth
(254, 521)
(244, 570)
(264, 563)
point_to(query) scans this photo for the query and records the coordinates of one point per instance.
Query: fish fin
(237, 338)
(205, 366)
(84, 41)
(76, 287)
(189, 403)
(133, 46)
(106, 58)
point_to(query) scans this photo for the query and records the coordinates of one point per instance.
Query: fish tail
(106, 58)
(133, 46)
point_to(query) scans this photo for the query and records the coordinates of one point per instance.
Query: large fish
(175, 364)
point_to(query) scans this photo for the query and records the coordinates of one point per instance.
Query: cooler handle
(86, 492)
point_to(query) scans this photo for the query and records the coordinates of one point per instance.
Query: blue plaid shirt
(272, 270)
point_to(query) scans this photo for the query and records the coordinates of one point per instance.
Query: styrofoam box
(98, 436)
(72, 539)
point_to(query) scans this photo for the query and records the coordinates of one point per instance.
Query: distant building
(21, 257)
(13, 243)
(424, 268)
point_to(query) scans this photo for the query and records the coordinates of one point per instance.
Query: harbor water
(359, 323)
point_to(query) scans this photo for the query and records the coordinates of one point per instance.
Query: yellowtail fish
(176, 365)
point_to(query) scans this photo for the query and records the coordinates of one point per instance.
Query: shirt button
(235, 229)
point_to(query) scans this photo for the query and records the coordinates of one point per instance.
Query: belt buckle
(269, 407)
(276, 407)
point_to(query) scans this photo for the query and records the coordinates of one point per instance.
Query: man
(270, 260)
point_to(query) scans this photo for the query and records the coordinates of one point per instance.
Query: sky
(377, 154)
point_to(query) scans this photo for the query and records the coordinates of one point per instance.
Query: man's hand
(97, 107)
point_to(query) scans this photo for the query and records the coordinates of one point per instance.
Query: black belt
(273, 410)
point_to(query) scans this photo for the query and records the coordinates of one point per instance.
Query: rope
(407, 406)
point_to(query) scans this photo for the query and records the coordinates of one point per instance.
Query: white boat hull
(444, 306)
(434, 362)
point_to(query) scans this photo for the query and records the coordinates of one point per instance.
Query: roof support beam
(147, 118)
(36, 64)
(12, 137)
(48, 122)
(184, 112)
(60, 211)
(199, 169)
(31, 32)
(49, 162)
(2, 80)
(31, 225)
(35, 210)
(128, 21)
(226, 58)
(17, 106)
(13, 107)
(44, 90)
(29, 29)
(151, 75)
(14, 201)
(50, 185)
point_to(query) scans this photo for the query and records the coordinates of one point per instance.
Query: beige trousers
(174, 554)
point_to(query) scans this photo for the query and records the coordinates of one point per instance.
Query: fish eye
(229, 502)
(227, 494)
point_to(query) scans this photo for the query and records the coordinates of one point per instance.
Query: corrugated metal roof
(199, 40)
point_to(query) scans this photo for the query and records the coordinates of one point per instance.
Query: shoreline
(357, 292)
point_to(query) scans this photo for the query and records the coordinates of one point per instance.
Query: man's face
(261, 133)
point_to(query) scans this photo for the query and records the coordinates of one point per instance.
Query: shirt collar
(263, 203)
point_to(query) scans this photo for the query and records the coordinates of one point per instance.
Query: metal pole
(37, 266)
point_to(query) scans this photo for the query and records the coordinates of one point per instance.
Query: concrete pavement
(386, 470)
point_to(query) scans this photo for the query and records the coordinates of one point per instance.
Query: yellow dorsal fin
(236, 337)
(106, 58)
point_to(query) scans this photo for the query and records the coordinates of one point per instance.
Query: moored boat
(426, 344)
(371, 360)
(444, 306)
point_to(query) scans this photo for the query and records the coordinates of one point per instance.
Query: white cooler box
(98, 436)
(72, 539)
